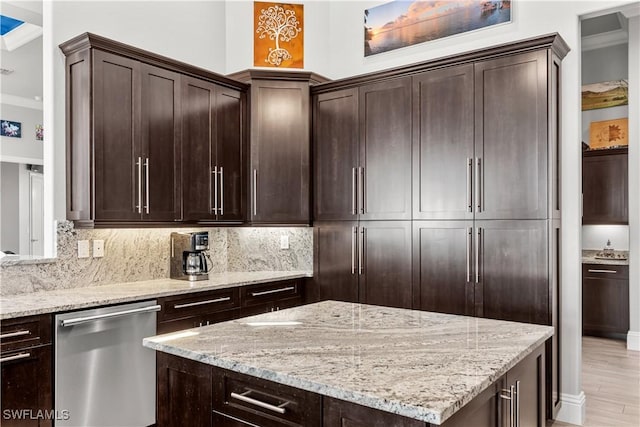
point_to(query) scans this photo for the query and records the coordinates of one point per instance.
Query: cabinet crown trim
(257, 74)
(89, 40)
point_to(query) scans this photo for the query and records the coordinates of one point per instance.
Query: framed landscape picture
(605, 94)
(404, 23)
(11, 129)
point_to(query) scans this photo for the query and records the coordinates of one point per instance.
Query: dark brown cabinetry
(366, 261)
(605, 186)
(266, 297)
(362, 149)
(280, 146)
(25, 360)
(214, 152)
(605, 300)
(135, 122)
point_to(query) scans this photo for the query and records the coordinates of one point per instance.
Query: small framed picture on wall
(11, 129)
(39, 133)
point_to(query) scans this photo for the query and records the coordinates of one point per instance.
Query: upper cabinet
(605, 186)
(280, 146)
(362, 146)
(150, 141)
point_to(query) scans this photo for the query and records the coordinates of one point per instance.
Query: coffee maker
(188, 259)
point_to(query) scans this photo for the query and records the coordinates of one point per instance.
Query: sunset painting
(404, 23)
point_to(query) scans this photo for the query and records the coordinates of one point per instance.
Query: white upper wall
(26, 149)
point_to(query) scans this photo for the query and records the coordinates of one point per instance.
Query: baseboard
(573, 409)
(633, 340)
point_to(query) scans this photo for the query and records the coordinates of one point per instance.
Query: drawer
(182, 306)
(197, 321)
(259, 402)
(25, 332)
(605, 271)
(267, 292)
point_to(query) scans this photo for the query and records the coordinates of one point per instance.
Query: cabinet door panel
(335, 257)
(605, 307)
(443, 143)
(198, 142)
(511, 137)
(230, 154)
(336, 155)
(161, 135)
(280, 152)
(385, 149)
(514, 277)
(531, 399)
(385, 249)
(116, 104)
(605, 188)
(442, 254)
(346, 414)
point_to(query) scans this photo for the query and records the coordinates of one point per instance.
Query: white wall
(26, 149)
(239, 36)
(594, 237)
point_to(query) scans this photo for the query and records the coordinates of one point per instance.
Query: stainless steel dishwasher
(103, 374)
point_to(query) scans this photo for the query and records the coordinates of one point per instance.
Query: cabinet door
(512, 257)
(184, 392)
(605, 306)
(280, 152)
(230, 154)
(511, 137)
(335, 272)
(26, 385)
(385, 150)
(161, 133)
(118, 156)
(385, 251)
(198, 144)
(529, 377)
(336, 155)
(443, 143)
(482, 411)
(443, 271)
(340, 413)
(605, 188)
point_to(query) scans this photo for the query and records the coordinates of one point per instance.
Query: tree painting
(278, 41)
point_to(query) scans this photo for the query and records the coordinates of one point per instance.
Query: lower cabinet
(25, 360)
(266, 297)
(605, 300)
(194, 393)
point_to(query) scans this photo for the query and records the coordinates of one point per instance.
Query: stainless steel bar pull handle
(469, 245)
(139, 165)
(280, 409)
(361, 252)
(195, 304)
(14, 334)
(602, 271)
(479, 184)
(15, 357)
(79, 320)
(146, 168)
(511, 397)
(478, 250)
(273, 291)
(354, 232)
(255, 192)
(362, 190)
(214, 172)
(221, 191)
(354, 201)
(469, 184)
(517, 404)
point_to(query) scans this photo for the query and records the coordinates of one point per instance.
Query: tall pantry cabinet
(471, 147)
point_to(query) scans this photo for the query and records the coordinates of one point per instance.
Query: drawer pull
(14, 334)
(15, 357)
(194, 304)
(243, 397)
(603, 271)
(273, 291)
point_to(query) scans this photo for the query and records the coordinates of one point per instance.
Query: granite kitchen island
(335, 363)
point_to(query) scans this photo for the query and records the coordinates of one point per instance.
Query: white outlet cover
(98, 248)
(284, 242)
(83, 249)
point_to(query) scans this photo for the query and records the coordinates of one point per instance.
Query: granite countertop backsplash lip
(417, 364)
(28, 304)
(588, 257)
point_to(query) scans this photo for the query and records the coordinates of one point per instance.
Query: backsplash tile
(143, 254)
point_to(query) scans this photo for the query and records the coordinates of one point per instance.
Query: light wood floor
(611, 383)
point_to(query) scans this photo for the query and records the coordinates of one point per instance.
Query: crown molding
(20, 101)
(602, 40)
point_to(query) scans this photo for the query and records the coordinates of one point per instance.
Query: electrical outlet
(284, 241)
(83, 249)
(98, 248)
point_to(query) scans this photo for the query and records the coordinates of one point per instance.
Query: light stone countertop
(417, 364)
(588, 257)
(93, 296)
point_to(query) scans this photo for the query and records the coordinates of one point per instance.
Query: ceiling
(26, 61)
(604, 30)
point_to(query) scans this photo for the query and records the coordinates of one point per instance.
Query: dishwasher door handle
(79, 320)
